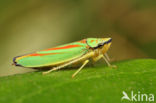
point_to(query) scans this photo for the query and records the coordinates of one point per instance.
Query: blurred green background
(31, 25)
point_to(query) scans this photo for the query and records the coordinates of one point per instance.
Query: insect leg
(55, 68)
(106, 55)
(59, 67)
(85, 62)
(106, 61)
(112, 66)
(71, 62)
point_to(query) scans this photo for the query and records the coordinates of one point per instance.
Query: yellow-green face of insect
(106, 46)
(101, 43)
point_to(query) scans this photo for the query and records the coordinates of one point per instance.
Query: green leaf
(98, 84)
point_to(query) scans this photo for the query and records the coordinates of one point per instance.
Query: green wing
(53, 56)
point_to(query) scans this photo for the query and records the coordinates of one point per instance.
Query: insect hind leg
(71, 62)
(47, 72)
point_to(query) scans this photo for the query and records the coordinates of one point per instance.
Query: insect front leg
(84, 63)
(106, 58)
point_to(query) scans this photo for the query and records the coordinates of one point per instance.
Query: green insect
(69, 54)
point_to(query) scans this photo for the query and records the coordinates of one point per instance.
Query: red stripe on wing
(36, 54)
(64, 47)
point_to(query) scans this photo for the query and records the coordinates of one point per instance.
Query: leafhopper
(83, 51)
